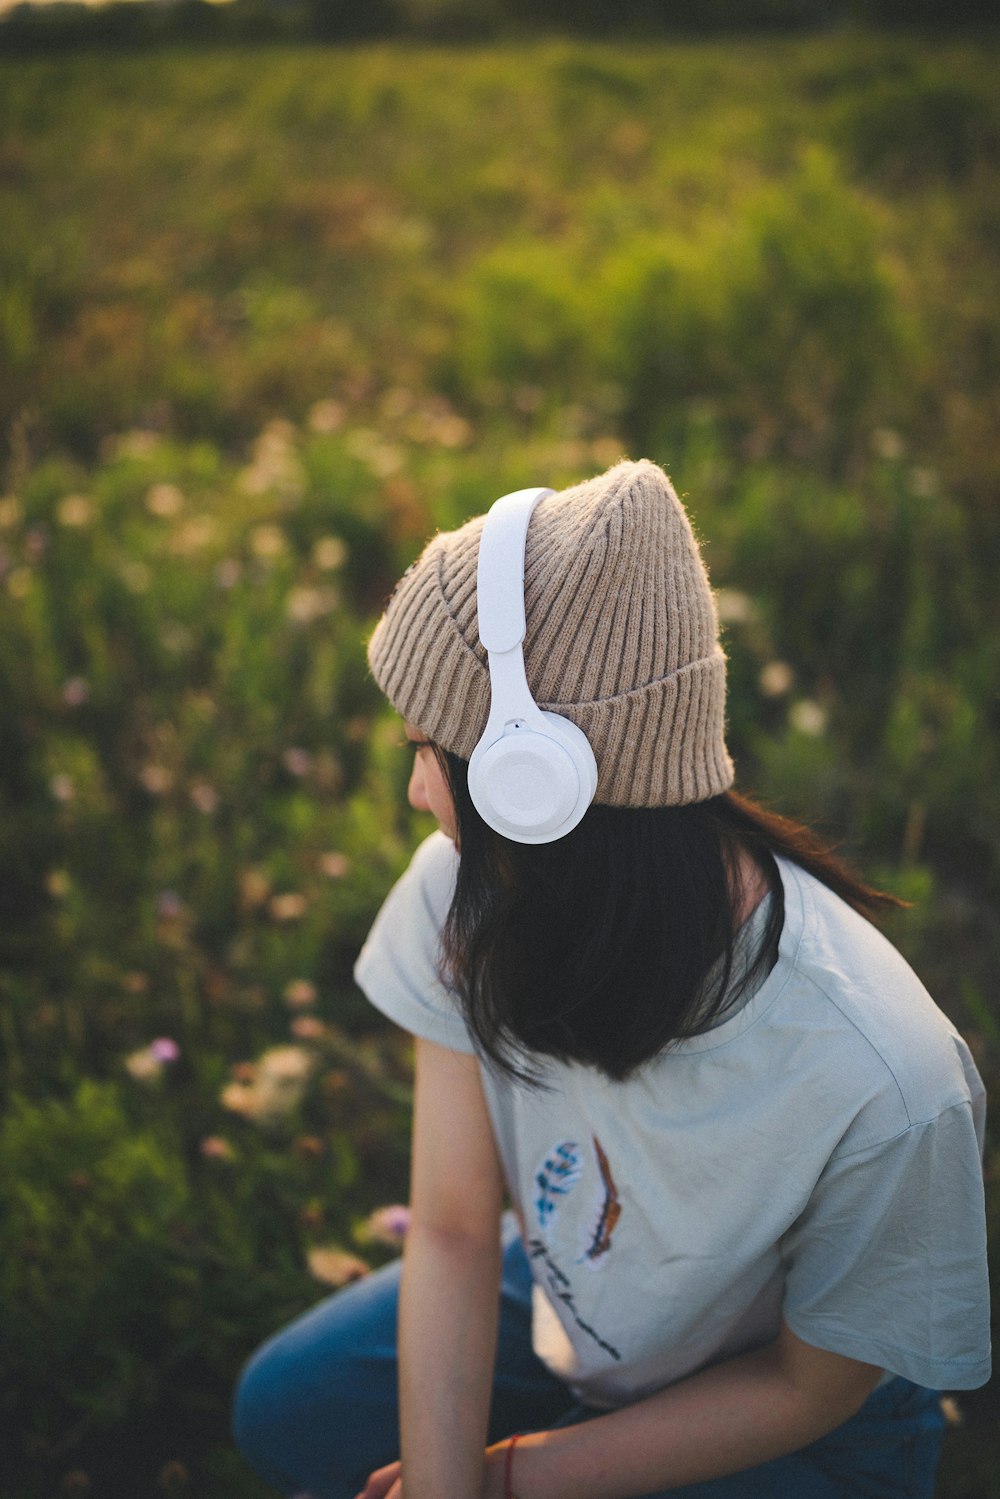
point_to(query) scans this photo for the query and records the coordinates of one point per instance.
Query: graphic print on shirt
(561, 1169)
(555, 1178)
(608, 1213)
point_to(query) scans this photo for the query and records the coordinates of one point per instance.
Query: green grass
(266, 319)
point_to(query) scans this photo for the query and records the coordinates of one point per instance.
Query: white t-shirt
(817, 1154)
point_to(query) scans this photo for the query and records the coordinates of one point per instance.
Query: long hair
(606, 946)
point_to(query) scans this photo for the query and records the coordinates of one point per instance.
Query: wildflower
(387, 1225)
(776, 678)
(164, 500)
(807, 717)
(300, 993)
(193, 535)
(205, 797)
(169, 906)
(75, 692)
(165, 1049)
(275, 1088)
(735, 608)
(382, 458)
(75, 510)
(10, 510)
(240, 1098)
(329, 553)
(255, 887)
(57, 883)
(143, 1065)
(298, 762)
(450, 430)
(135, 982)
(307, 1028)
(308, 1146)
(228, 573)
(156, 779)
(888, 444)
(325, 416)
(267, 541)
(951, 1410)
(288, 907)
(335, 865)
(923, 482)
(335, 1267)
(303, 605)
(216, 1148)
(62, 788)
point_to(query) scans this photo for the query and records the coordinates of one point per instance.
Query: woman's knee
(321, 1394)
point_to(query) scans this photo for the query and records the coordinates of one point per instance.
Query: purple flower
(164, 1049)
(388, 1225)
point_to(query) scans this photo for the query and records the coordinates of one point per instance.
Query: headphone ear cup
(535, 782)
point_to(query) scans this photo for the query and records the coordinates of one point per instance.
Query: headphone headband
(532, 775)
(500, 573)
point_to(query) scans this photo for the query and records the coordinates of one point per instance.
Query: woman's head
(607, 944)
(622, 639)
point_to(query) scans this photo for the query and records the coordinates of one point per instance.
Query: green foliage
(267, 320)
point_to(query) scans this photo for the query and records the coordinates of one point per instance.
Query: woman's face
(428, 790)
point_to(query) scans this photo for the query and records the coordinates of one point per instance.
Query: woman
(741, 1144)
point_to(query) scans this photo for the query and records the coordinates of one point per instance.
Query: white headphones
(532, 775)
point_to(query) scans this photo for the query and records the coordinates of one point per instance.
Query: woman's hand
(384, 1483)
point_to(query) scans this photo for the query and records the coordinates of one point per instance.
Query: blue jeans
(316, 1407)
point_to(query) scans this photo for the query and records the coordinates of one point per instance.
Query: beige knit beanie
(622, 638)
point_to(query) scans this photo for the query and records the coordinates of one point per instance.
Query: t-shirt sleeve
(888, 1262)
(397, 968)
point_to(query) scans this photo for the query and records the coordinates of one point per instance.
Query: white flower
(776, 678)
(807, 717)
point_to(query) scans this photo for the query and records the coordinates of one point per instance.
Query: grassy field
(267, 318)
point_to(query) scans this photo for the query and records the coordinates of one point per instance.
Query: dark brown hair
(604, 947)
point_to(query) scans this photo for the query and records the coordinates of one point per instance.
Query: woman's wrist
(502, 1482)
(508, 1467)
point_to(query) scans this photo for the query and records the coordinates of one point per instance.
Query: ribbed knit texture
(622, 638)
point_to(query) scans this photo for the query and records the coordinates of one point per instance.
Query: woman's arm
(735, 1415)
(451, 1278)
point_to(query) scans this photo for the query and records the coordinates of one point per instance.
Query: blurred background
(284, 287)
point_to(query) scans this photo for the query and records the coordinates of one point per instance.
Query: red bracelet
(508, 1465)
